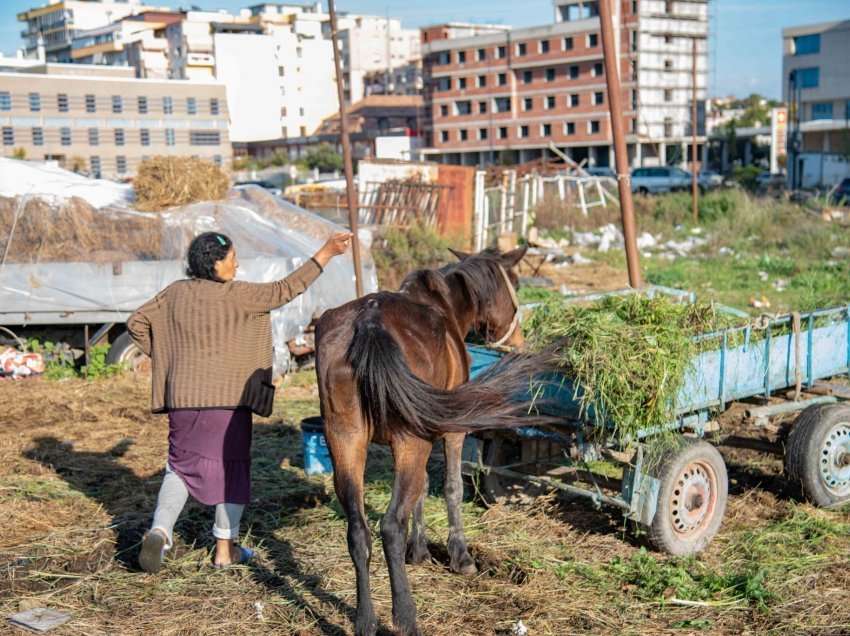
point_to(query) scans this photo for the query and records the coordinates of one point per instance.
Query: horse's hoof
(416, 554)
(366, 627)
(466, 567)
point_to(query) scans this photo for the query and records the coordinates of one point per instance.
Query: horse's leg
(417, 543)
(349, 458)
(410, 455)
(459, 559)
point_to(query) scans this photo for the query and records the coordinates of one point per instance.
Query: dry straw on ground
(164, 182)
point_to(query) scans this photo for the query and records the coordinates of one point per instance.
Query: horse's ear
(460, 255)
(510, 259)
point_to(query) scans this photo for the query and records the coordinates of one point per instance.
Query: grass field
(80, 465)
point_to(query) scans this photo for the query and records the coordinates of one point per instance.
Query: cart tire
(124, 351)
(817, 457)
(691, 499)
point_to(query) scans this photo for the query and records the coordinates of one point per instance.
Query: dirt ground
(81, 463)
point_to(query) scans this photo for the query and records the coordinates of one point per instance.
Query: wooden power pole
(694, 185)
(346, 156)
(615, 107)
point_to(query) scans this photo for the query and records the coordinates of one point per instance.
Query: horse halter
(515, 302)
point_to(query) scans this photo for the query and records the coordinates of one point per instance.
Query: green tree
(323, 157)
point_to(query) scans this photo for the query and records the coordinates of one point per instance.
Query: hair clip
(221, 239)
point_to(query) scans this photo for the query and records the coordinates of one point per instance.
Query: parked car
(841, 194)
(766, 181)
(267, 185)
(601, 171)
(709, 179)
(660, 179)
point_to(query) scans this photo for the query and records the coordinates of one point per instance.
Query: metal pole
(346, 157)
(615, 106)
(694, 188)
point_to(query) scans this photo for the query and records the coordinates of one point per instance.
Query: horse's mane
(479, 275)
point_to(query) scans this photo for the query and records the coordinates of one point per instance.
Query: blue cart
(680, 499)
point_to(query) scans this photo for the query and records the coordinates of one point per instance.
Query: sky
(745, 44)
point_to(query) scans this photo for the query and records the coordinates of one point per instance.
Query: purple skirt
(211, 451)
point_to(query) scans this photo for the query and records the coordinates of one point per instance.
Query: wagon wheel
(818, 454)
(124, 351)
(691, 499)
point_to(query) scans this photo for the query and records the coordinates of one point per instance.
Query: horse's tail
(388, 389)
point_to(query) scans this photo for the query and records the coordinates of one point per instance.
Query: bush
(399, 251)
(746, 176)
(324, 158)
(164, 182)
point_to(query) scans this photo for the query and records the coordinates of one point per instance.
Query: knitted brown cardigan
(211, 343)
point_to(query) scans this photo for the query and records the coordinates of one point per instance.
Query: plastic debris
(258, 608)
(39, 619)
(760, 303)
(763, 276)
(16, 364)
(646, 240)
(519, 629)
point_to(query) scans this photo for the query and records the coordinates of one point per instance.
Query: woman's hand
(334, 246)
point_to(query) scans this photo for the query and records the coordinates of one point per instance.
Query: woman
(209, 339)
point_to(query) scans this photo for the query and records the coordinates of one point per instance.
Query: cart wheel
(691, 499)
(124, 351)
(818, 454)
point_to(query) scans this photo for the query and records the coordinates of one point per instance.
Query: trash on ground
(39, 619)
(16, 364)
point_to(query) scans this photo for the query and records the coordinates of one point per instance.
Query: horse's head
(491, 280)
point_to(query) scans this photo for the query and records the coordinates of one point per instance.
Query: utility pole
(615, 107)
(694, 186)
(346, 156)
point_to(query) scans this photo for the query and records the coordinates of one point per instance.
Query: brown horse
(393, 369)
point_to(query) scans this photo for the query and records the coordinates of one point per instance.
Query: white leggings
(169, 504)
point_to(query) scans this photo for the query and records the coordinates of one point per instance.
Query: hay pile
(75, 231)
(164, 182)
(627, 355)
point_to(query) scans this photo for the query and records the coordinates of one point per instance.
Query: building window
(598, 98)
(214, 106)
(461, 83)
(668, 7)
(668, 39)
(461, 57)
(204, 138)
(592, 40)
(573, 100)
(634, 99)
(550, 102)
(501, 52)
(668, 65)
(142, 104)
(579, 11)
(94, 137)
(145, 136)
(633, 126)
(35, 102)
(521, 48)
(169, 137)
(502, 104)
(91, 104)
(570, 128)
(482, 81)
(482, 107)
(808, 77)
(191, 106)
(167, 105)
(668, 95)
(463, 108)
(546, 130)
(444, 84)
(217, 160)
(62, 103)
(568, 44)
(523, 131)
(482, 55)
(5, 100)
(597, 69)
(593, 126)
(482, 133)
(503, 132)
(94, 163)
(302, 131)
(527, 77)
(37, 136)
(462, 134)
(121, 164)
(822, 110)
(65, 136)
(527, 103)
(298, 52)
(443, 58)
(807, 44)
(502, 79)
(119, 136)
(668, 126)
(444, 110)
(550, 75)
(444, 136)
(8, 136)
(117, 104)
(544, 46)
(634, 7)
(574, 71)
(280, 71)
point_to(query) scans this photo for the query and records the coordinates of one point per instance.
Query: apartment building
(50, 29)
(511, 93)
(104, 121)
